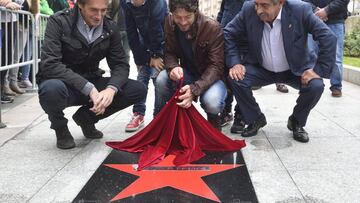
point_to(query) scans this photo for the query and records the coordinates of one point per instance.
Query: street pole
(353, 11)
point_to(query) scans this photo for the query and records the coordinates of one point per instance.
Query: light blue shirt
(90, 34)
(272, 47)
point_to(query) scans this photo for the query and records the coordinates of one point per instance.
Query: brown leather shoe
(7, 91)
(14, 87)
(336, 92)
(282, 88)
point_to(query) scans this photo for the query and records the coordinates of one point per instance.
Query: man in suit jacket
(277, 32)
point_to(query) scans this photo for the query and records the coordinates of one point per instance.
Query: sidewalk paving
(326, 169)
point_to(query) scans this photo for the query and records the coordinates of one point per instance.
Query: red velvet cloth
(178, 131)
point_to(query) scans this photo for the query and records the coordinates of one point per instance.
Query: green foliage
(352, 43)
(352, 61)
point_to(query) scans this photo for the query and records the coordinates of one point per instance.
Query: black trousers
(55, 96)
(309, 95)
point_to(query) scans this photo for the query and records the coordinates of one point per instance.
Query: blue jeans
(212, 100)
(337, 71)
(144, 75)
(25, 70)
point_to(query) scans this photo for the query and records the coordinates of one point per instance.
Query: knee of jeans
(317, 85)
(212, 104)
(162, 81)
(52, 90)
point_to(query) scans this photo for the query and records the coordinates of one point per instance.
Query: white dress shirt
(272, 47)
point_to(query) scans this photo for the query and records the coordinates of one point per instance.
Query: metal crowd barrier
(21, 34)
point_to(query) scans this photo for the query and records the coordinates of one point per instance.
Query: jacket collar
(74, 15)
(287, 28)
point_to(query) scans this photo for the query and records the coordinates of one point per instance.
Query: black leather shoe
(299, 132)
(88, 130)
(64, 139)
(238, 125)
(252, 129)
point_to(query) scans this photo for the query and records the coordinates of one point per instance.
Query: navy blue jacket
(297, 21)
(336, 9)
(228, 10)
(145, 29)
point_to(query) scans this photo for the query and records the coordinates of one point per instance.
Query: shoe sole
(225, 124)
(95, 137)
(254, 134)
(10, 94)
(283, 91)
(134, 129)
(236, 131)
(65, 147)
(7, 102)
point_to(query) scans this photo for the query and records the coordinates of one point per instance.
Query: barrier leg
(2, 125)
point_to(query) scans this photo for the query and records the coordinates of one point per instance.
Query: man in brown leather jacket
(194, 50)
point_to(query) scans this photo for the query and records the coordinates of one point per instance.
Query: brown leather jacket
(208, 49)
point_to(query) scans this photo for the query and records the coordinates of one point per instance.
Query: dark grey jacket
(336, 9)
(66, 55)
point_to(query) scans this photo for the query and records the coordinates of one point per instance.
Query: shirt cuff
(114, 88)
(87, 88)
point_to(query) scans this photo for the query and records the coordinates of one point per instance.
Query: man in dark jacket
(144, 27)
(69, 75)
(194, 50)
(228, 10)
(334, 14)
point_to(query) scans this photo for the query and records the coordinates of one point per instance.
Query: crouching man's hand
(308, 75)
(186, 97)
(101, 99)
(237, 72)
(176, 73)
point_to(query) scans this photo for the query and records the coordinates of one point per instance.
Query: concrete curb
(19, 118)
(351, 74)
